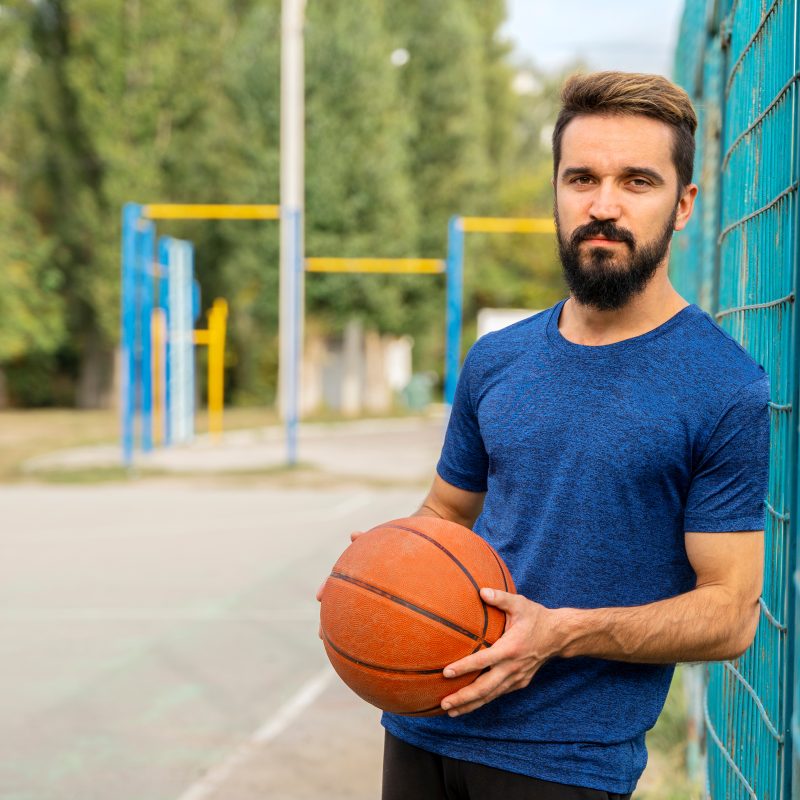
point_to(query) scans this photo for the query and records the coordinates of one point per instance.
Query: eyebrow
(646, 172)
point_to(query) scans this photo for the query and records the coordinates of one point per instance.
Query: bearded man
(614, 450)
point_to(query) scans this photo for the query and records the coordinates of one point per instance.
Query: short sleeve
(464, 462)
(729, 485)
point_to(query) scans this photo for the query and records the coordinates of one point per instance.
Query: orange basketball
(402, 603)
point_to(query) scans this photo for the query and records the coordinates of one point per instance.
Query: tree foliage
(107, 101)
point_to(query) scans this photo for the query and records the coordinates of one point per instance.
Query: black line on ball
(419, 711)
(455, 560)
(499, 565)
(380, 667)
(406, 604)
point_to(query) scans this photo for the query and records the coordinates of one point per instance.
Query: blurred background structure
(152, 620)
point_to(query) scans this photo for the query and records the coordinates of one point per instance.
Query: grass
(26, 434)
(665, 777)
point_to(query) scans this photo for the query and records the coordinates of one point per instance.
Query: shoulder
(725, 388)
(717, 359)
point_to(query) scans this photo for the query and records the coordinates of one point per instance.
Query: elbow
(746, 628)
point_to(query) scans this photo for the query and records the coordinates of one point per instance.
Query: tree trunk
(4, 402)
(96, 379)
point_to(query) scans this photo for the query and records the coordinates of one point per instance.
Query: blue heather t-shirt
(596, 460)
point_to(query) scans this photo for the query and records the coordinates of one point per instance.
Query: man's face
(616, 206)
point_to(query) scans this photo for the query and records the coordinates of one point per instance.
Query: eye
(582, 180)
(639, 183)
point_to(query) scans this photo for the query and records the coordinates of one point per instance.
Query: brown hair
(631, 93)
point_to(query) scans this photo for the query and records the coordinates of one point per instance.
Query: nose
(605, 203)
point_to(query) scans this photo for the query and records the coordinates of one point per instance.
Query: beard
(603, 277)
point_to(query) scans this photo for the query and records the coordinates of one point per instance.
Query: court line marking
(271, 729)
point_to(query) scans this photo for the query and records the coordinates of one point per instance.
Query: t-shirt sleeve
(464, 462)
(729, 485)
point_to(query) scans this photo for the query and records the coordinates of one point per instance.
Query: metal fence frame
(738, 259)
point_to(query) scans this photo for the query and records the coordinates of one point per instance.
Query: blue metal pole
(163, 262)
(455, 301)
(146, 255)
(195, 312)
(130, 218)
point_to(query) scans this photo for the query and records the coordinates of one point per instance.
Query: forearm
(705, 624)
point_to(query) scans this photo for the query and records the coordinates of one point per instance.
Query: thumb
(499, 599)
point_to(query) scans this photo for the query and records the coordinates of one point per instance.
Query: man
(614, 450)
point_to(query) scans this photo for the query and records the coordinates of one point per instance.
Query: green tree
(358, 193)
(31, 313)
(127, 101)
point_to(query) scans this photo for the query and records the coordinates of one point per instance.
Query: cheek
(573, 210)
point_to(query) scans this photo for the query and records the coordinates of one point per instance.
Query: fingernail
(446, 706)
(452, 713)
(449, 673)
(488, 594)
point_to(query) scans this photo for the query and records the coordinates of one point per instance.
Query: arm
(449, 502)
(716, 620)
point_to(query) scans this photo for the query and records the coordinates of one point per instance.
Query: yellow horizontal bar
(396, 265)
(202, 337)
(507, 225)
(200, 211)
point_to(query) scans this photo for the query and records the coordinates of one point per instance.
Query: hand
(531, 638)
(353, 536)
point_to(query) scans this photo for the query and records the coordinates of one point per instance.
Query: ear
(685, 206)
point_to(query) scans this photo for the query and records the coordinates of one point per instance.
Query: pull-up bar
(395, 266)
(507, 225)
(452, 266)
(209, 211)
(140, 273)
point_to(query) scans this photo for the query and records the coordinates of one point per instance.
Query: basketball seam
(479, 640)
(499, 564)
(419, 711)
(379, 667)
(457, 563)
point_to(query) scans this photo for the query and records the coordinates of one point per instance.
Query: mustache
(604, 228)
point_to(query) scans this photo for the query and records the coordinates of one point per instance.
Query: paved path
(403, 450)
(158, 637)
(148, 631)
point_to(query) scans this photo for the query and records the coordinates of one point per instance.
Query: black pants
(413, 774)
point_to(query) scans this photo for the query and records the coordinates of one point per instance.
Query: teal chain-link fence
(738, 259)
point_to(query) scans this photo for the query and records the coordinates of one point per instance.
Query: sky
(607, 34)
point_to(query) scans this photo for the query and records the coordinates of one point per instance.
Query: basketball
(402, 602)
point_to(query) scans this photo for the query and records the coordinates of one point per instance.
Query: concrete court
(148, 631)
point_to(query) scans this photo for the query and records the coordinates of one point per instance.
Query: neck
(587, 325)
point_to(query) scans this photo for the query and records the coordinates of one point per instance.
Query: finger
(511, 683)
(321, 589)
(483, 685)
(355, 534)
(481, 691)
(499, 599)
(476, 662)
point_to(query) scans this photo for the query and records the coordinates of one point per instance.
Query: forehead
(612, 142)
